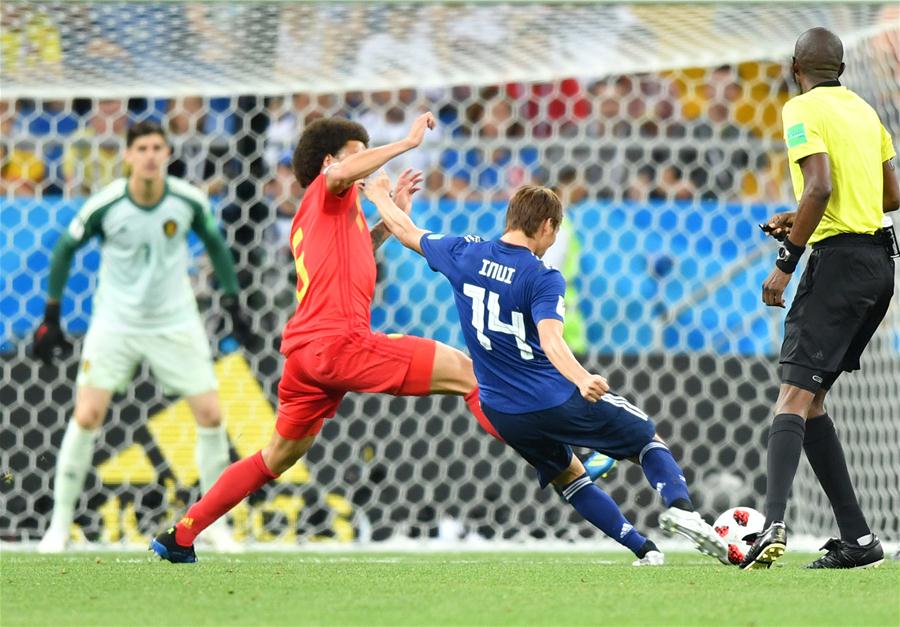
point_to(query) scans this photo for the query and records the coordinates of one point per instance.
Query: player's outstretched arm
(378, 190)
(49, 335)
(407, 185)
(591, 386)
(340, 176)
(208, 231)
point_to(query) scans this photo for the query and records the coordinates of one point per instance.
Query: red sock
(238, 481)
(475, 407)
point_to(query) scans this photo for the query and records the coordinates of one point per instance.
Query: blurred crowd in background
(710, 133)
(627, 137)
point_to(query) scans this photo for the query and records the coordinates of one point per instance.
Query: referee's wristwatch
(789, 255)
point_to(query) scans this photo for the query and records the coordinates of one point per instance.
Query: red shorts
(318, 374)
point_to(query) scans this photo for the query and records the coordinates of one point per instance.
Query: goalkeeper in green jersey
(144, 309)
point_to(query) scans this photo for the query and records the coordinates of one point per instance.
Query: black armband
(788, 256)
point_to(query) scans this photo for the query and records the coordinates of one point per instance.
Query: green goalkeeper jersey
(143, 283)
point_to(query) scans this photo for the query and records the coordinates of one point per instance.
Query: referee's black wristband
(789, 256)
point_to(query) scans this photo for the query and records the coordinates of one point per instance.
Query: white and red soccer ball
(739, 527)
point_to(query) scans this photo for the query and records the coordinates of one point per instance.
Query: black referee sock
(826, 456)
(785, 445)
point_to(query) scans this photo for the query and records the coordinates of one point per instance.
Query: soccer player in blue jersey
(534, 394)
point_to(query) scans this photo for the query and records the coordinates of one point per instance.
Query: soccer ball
(739, 527)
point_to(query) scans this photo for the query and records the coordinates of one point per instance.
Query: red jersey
(335, 267)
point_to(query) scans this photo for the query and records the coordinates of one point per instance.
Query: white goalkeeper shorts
(179, 360)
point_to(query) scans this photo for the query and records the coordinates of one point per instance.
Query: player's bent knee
(208, 416)
(279, 460)
(817, 407)
(87, 420)
(281, 453)
(793, 400)
(570, 474)
(90, 407)
(206, 409)
(453, 372)
(89, 416)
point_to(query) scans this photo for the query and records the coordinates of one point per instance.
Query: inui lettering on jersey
(493, 270)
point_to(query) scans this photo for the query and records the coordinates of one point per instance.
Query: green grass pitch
(357, 588)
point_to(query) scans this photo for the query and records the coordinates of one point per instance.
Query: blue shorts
(545, 438)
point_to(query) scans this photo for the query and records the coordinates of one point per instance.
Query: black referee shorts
(842, 298)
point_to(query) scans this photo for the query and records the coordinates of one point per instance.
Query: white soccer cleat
(692, 526)
(220, 538)
(54, 541)
(652, 558)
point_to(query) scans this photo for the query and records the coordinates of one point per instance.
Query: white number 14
(516, 328)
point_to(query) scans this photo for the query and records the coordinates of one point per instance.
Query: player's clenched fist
(592, 387)
(240, 322)
(49, 336)
(417, 130)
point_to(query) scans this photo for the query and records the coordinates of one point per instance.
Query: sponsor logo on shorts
(170, 227)
(818, 355)
(817, 378)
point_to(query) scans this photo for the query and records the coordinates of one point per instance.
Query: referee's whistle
(768, 229)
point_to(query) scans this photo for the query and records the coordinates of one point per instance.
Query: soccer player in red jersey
(329, 346)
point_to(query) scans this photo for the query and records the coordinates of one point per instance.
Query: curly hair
(325, 136)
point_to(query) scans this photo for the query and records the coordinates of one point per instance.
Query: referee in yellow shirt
(840, 161)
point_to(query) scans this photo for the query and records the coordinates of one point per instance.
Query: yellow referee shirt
(836, 121)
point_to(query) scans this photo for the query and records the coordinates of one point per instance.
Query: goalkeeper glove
(49, 336)
(240, 323)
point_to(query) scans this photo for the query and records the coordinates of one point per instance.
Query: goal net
(658, 124)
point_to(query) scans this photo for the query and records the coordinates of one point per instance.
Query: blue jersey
(502, 291)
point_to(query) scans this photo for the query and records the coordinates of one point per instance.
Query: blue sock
(600, 510)
(665, 475)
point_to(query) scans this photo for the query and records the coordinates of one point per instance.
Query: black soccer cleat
(769, 546)
(165, 546)
(843, 554)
